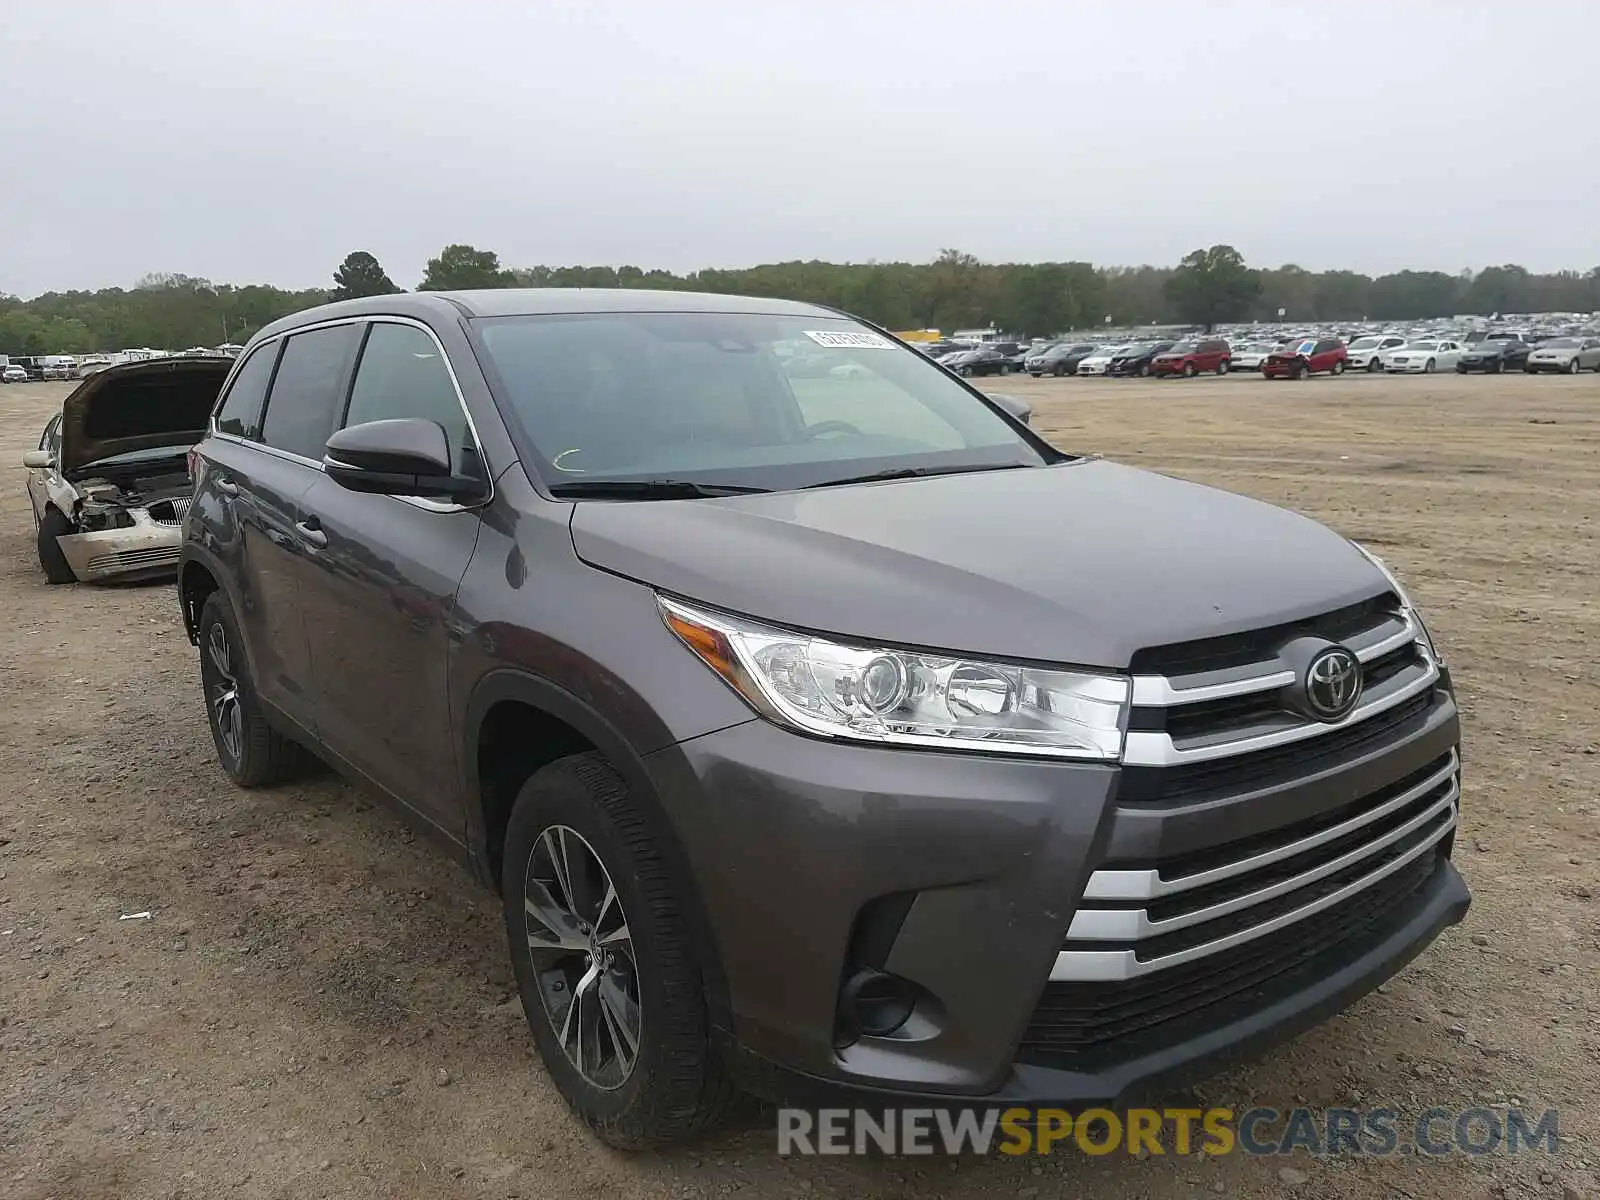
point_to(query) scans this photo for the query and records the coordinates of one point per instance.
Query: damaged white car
(109, 483)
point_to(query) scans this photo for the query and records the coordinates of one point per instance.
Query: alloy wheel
(225, 710)
(583, 957)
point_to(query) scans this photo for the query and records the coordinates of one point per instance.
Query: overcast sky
(262, 141)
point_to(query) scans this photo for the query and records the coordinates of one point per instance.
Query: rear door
(380, 589)
(259, 466)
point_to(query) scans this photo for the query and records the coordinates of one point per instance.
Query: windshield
(1365, 343)
(1306, 347)
(1502, 337)
(1561, 344)
(1181, 348)
(735, 399)
(1420, 346)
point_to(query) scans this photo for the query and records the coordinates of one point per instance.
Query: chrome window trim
(1150, 749)
(426, 504)
(1109, 966)
(1134, 924)
(1149, 885)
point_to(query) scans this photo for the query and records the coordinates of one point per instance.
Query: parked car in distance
(1496, 353)
(983, 361)
(109, 482)
(14, 374)
(1366, 353)
(1313, 356)
(1136, 359)
(1099, 362)
(850, 826)
(1422, 357)
(1250, 355)
(1060, 359)
(1566, 354)
(1209, 355)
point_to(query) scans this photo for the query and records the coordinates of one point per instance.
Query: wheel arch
(510, 699)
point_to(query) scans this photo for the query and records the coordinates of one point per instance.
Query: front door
(380, 591)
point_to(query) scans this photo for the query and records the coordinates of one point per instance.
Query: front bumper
(962, 873)
(147, 550)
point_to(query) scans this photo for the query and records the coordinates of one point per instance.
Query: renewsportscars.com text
(1374, 1132)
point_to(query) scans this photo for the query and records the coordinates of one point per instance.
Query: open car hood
(138, 406)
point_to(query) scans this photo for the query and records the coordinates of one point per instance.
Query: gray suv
(822, 728)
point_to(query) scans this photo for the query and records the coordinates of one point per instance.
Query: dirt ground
(320, 1006)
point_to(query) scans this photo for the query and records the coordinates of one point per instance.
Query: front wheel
(610, 982)
(1300, 371)
(1498, 368)
(1005, 369)
(1190, 370)
(1427, 367)
(964, 372)
(1572, 367)
(1144, 370)
(52, 561)
(1058, 370)
(1374, 366)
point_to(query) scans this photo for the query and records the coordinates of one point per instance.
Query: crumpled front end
(122, 542)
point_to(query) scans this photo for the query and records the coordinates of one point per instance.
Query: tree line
(955, 290)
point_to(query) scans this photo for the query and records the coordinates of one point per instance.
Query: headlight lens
(1423, 635)
(907, 697)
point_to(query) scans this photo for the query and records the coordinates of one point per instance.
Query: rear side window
(240, 413)
(402, 374)
(308, 390)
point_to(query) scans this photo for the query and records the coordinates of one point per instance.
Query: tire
(674, 1085)
(1144, 370)
(1058, 370)
(1572, 367)
(1374, 366)
(1428, 367)
(1190, 370)
(1223, 367)
(1338, 369)
(1461, 370)
(1499, 367)
(1005, 369)
(251, 751)
(1299, 372)
(964, 372)
(51, 559)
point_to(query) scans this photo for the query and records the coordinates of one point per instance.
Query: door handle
(311, 531)
(227, 487)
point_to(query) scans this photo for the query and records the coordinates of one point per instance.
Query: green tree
(460, 266)
(360, 274)
(1213, 285)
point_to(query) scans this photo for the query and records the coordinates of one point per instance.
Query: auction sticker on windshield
(849, 340)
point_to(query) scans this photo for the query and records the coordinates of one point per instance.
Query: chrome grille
(1136, 920)
(169, 512)
(129, 560)
(1220, 725)
(1224, 711)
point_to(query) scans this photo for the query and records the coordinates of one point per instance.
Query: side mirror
(36, 460)
(1015, 405)
(408, 456)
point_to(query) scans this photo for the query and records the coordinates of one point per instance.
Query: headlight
(1411, 612)
(907, 697)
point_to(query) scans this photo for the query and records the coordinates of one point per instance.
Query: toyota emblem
(1333, 683)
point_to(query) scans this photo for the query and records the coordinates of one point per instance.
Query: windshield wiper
(916, 473)
(648, 489)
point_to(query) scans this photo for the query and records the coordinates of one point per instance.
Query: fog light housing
(876, 1004)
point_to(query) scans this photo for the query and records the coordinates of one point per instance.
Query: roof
(511, 302)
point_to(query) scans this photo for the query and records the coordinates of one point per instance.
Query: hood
(1082, 563)
(138, 406)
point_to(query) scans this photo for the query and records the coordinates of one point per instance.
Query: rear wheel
(1338, 368)
(1499, 366)
(1144, 370)
(51, 560)
(964, 372)
(1005, 368)
(252, 752)
(608, 976)
(1222, 367)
